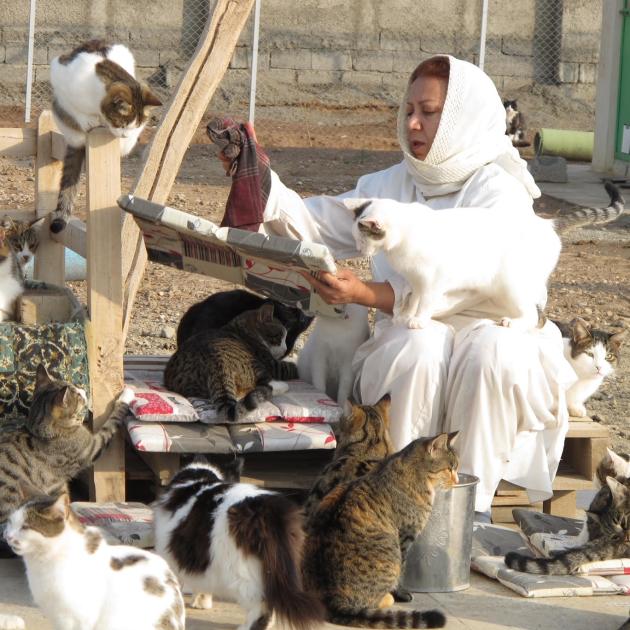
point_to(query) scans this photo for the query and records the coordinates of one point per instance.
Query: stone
(167, 332)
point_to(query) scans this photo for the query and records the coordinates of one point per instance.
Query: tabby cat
(238, 542)
(95, 86)
(23, 238)
(11, 278)
(232, 366)
(80, 581)
(609, 535)
(220, 308)
(593, 354)
(361, 531)
(53, 446)
(362, 443)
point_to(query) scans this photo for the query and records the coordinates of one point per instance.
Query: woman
(502, 389)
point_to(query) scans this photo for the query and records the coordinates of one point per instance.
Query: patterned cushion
(121, 523)
(153, 403)
(282, 436)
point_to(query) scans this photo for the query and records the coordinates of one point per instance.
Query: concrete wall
(337, 52)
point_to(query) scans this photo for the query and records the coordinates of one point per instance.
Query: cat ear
(581, 331)
(61, 505)
(27, 490)
(620, 465)
(61, 397)
(383, 406)
(357, 206)
(120, 100)
(37, 223)
(438, 443)
(42, 377)
(618, 489)
(452, 438)
(265, 312)
(371, 225)
(615, 341)
(347, 408)
(149, 98)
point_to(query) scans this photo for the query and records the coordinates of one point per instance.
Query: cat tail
(379, 618)
(235, 410)
(11, 622)
(71, 174)
(588, 216)
(270, 527)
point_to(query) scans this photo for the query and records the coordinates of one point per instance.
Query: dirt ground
(318, 151)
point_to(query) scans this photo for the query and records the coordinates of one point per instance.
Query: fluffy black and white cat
(94, 86)
(238, 542)
(515, 124)
(458, 257)
(593, 354)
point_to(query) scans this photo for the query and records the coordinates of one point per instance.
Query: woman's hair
(438, 67)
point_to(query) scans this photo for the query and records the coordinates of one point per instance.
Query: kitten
(233, 366)
(220, 308)
(95, 86)
(515, 124)
(609, 535)
(80, 581)
(326, 358)
(11, 278)
(363, 441)
(360, 533)
(454, 259)
(23, 238)
(593, 354)
(238, 542)
(53, 446)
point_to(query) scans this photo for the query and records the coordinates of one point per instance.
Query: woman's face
(424, 110)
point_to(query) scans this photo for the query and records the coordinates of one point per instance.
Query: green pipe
(566, 143)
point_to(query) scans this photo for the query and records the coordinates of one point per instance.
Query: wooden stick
(104, 293)
(73, 236)
(164, 155)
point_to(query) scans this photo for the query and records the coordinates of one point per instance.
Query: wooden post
(104, 294)
(179, 123)
(49, 265)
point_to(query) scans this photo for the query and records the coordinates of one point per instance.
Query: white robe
(503, 389)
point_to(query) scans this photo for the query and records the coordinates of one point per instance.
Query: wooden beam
(49, 265)
(73, 236)
(104, 293)
(18, 141)
(183, 114)
(58, 146)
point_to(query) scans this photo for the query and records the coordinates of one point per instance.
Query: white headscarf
(471, 134)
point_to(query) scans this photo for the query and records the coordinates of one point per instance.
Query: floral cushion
(282, 436)
(153, 403)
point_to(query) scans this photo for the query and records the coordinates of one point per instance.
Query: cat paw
(202, 601)
(401, 595)
(278, 387)
(418, 322)
(126, 396)
(577, 411)
(57, 225)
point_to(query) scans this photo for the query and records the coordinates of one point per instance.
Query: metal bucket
(438, 561)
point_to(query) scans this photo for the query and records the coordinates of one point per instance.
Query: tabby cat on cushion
(608, 522)
(11, 278)
(95, 86)
(593, 354)
(81, 582)
(237, 542)
(53, 446)
(220, 308)
(362, 443)
(360, 533)
(233, 366)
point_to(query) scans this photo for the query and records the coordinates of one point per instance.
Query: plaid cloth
(251, 176)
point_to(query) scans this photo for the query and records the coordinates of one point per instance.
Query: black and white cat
(515, 124)
(95, 86)
(593, 354)
(238, 542)
(458, 257)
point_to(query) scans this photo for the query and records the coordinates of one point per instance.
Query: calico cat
(593, 354)
(363, 442)
(220, 308)
(238, 542)
(326, 358)
(233, 366)
(23, 238)
(608, 532)
(515, 124)
(453, 258)
(80, 581)
(11, 278)
(95, 86)
(53, 446)
(360, 533)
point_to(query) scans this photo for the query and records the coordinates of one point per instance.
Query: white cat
(82, 583)
(11, 278)
(458, 257)
(238, 542)
(326, 359)
(593, 355)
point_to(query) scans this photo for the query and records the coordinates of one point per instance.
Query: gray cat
(53, 446)
(232, 366)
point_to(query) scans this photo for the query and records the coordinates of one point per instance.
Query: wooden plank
(584, 454)
(104, 295)
(58, 146)
(18, 141)
(587, 430)
(503, 513)
(73, 236)
(561, 504)
(18, 215)
(49, 265)
(183, 114)
(163, 465)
